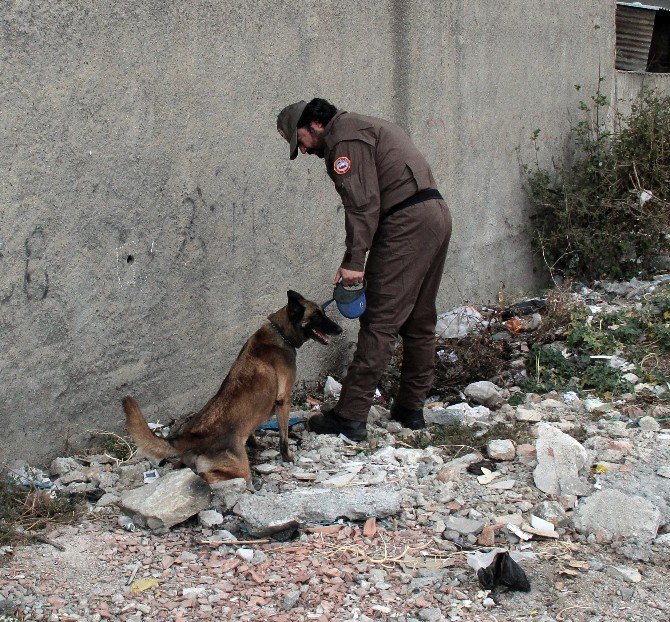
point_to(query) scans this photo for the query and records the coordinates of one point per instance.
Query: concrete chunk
(485, 393)
(172, 499)
(501, 449)
(612, 514)
(561, 463)
(266, 513)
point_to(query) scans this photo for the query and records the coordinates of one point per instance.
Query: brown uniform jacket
(374, 166)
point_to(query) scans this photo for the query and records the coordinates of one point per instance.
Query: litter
(524, 308)
(503, 571)
(23, 474)
(477, 468)
(522, 535)
(459, 322)
(332, 388)
(514, 326)
(273, 425)
(151, 476)
(159, 429)
(125, 522)
(141, 585)
(645, 195)
(487, 476)
(570, 396)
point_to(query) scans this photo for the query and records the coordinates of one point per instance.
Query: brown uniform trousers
(403, 275)
(407, 250)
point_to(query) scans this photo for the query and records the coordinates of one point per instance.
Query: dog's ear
(294, 295)
(295, 308)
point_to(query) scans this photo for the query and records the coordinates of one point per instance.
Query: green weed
(591, 219)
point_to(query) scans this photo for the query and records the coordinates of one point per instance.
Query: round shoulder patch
(342, 165)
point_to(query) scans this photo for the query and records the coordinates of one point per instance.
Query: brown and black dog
(259, 383)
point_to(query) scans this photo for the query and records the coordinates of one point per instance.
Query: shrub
(605, 213)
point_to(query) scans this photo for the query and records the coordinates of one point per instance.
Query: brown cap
(287, 125)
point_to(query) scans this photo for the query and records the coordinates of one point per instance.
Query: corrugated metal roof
(634, 29)
(658, 5)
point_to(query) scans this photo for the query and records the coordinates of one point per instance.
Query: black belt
(419, 197)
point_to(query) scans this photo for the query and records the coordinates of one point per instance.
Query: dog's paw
(287, 456)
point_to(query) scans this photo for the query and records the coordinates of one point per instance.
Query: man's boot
(330, 422)
(408, 418)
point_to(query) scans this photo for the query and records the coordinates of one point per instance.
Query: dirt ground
(405, 568)
(320, 576)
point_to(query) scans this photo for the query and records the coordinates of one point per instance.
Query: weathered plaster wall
(150, 217)
(629, 84)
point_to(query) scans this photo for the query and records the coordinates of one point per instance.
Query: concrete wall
(628, 85)
(150, 217)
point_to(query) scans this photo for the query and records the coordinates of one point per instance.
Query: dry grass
(457, 363)
(24, 512)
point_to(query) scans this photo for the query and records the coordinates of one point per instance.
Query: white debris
(459, 322)
(332, 388)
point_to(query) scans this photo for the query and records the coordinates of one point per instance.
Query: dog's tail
(147, 442)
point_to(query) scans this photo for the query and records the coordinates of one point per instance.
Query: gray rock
(107, 499)
(644, 480)
(624, 573)
(245, 554)
(663, 540)
(527, 414)
(453, 469)
(485, 393)
(501, 449)
(79, 488)
(131, 475)
(377, 413)
(562, 463)
(210, 518)
(222, 535)
(649, 424)
(663, 471)
(446, 416)
(267, 468)
(61, 466)
(73, 476)
(227, 493)
(430, 614)
(168, 501)
(477, 415)
(463, 525)
(266, 513)
(551, 511)
(193, 593)
(552, 404)
(106, 481)
(612, 514)
(457, 413)
(291, 600)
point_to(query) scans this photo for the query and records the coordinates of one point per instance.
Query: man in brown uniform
(394, 211)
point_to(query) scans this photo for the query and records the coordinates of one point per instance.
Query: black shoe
(329, 422)
(408, 418)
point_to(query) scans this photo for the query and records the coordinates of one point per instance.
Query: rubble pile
(573, 482)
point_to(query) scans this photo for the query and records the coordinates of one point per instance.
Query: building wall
(628, 85)
(150, 216)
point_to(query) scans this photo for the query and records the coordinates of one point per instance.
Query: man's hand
(348, 277)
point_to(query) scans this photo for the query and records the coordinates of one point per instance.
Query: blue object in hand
(350, 301)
